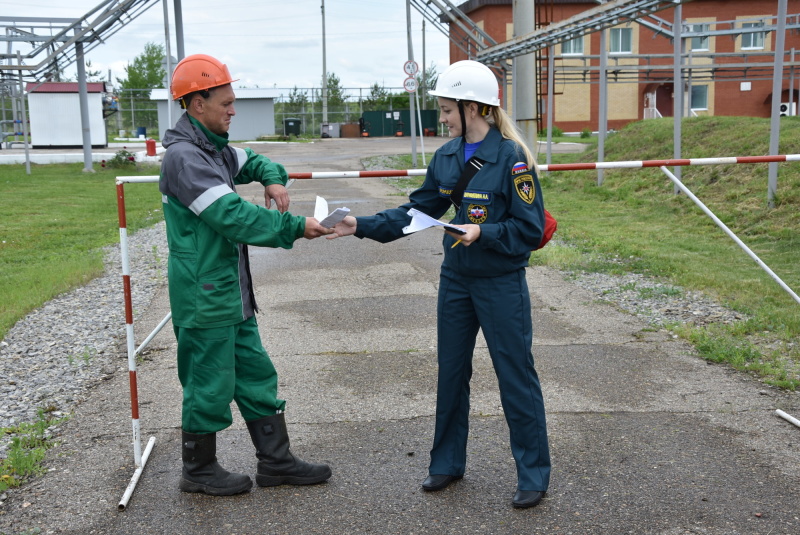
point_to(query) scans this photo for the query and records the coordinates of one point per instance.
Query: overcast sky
(269, 43)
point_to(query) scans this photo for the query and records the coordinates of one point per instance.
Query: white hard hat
(468, 80)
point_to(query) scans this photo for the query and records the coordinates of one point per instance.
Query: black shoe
(438, 481)
(527, 498)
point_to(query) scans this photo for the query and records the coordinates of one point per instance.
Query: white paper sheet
(421, 221)
(326, 219)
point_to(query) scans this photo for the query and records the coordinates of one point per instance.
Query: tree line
(147, 71)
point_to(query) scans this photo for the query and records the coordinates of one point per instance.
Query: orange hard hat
(198, 72)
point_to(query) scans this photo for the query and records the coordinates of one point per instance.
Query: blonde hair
(500, 120)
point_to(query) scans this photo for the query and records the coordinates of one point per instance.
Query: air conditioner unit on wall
(788, 108)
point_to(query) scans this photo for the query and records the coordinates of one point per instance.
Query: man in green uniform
(209, 226)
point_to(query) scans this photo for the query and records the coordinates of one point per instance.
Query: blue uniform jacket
(504, 197)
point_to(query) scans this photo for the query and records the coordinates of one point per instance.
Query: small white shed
(55, 115)
(255, 113)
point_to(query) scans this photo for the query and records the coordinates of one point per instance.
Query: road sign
(410, 84)
(411, 68)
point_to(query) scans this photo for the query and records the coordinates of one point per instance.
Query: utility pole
(424, 77)
(168, 66)
(324, 79)
(411, 106)
(176, 6)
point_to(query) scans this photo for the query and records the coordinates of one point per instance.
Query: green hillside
(635, 216)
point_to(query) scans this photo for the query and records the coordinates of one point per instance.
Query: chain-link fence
(136, 112)
(344, 106)
(302, 107)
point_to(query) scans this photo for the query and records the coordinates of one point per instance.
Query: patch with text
(519, 167)
(477, 213)
(524, 186)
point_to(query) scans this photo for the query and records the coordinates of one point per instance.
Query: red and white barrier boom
(635, 164)
(141, 458)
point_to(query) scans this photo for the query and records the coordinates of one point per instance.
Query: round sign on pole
(410, 67)
(410, 84)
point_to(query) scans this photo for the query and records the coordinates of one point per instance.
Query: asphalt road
(646, 438)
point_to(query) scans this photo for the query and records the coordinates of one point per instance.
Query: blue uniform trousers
(501, 307)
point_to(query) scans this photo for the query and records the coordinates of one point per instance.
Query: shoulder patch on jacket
(519, 167)
(523, 184)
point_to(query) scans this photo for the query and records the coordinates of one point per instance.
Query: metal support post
(602, 127)
(83, 97)
(777, 91)
(677, 90)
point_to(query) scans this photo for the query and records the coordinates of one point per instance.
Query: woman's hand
(345, 227)
(472, 235)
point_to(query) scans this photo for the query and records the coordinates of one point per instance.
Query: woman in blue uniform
(482, 282)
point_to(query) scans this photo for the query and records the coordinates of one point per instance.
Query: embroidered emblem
(519, 167)
(477, 213)
(524, 186)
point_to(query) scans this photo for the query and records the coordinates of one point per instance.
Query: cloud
(269, 43)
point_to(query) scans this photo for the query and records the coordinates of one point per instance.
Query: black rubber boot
(276, 464)
(202, 472)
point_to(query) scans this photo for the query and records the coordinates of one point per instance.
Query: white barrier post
(139, 459)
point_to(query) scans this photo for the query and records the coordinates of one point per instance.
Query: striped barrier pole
(634, 164)
(670, 163)
(139, 459)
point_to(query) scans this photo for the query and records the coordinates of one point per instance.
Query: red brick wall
(726, 97)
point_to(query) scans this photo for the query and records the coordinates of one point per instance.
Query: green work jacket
(209, 225)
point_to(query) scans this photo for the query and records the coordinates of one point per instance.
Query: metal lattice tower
(41, 47)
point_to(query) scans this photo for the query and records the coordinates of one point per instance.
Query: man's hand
(279, 194)
(345, 227)
(314, 229)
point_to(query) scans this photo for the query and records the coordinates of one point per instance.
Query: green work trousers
(220, 365)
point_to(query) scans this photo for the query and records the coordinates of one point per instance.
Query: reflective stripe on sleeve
(241, 158)
(208, 197)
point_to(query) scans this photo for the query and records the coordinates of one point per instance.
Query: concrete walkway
(646, 438)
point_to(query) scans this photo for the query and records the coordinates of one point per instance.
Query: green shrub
(122, 159)
(557, 132)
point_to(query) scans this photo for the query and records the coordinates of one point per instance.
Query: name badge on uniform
(478, 196)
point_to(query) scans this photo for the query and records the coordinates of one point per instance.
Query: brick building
(727, 60)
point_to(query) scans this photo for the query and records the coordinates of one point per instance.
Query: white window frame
(756, 39)
(698, 43)
(572, 47)
(619, 32)
(692, 97)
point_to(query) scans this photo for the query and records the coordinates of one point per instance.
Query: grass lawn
(53, 223)
(636, 216)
